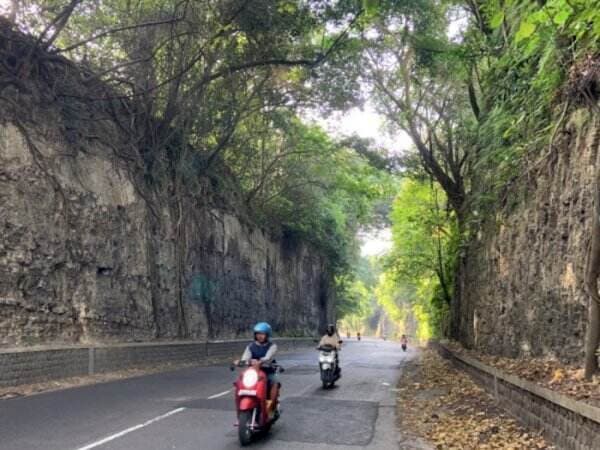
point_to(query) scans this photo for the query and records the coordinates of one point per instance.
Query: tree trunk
(592, 338)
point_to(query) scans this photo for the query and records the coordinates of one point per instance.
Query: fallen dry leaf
(558, 376)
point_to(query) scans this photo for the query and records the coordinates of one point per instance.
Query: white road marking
(129, 430)
(219, 395)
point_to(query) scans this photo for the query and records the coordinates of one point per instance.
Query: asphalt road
(193, 409)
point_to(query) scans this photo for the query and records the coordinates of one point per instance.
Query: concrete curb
(568, 423)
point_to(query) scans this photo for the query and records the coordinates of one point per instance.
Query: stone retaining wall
(25, 366)
(568, 423)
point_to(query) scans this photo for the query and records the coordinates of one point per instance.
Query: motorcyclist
(332, 338)
(261, 352)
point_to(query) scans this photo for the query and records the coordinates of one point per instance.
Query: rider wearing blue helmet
(262, 351)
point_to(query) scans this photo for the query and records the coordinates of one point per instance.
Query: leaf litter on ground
(449, 410)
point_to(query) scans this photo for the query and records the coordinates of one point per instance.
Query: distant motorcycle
(251, 393)
(329, 365)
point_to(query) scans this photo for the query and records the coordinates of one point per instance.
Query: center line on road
(221, 394)
(129, 430)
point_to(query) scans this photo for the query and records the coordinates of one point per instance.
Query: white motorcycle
(329, 365)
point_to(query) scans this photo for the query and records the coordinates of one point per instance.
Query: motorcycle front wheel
(244, 431)
(326, 378)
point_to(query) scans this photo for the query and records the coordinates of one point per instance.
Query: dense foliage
(418, 280)
(521, 55)
(317, 189)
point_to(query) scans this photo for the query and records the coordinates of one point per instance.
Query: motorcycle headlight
(250, 378)
(326, 357)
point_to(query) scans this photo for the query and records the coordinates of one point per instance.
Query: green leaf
(596, 26)
(526, 29)
(531, 47)
(371, 6)
(497, 20)
(561, 18)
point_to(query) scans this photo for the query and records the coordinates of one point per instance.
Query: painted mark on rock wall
(202, 289)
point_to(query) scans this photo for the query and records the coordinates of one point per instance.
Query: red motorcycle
(251, 392)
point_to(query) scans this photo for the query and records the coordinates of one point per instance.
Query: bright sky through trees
(376, 243)
(4, 6)
(367, 123)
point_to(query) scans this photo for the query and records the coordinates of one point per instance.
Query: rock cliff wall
(85, 256)
(523, 281)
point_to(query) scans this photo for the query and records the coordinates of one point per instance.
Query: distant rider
(261, 352)
(404, 342)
